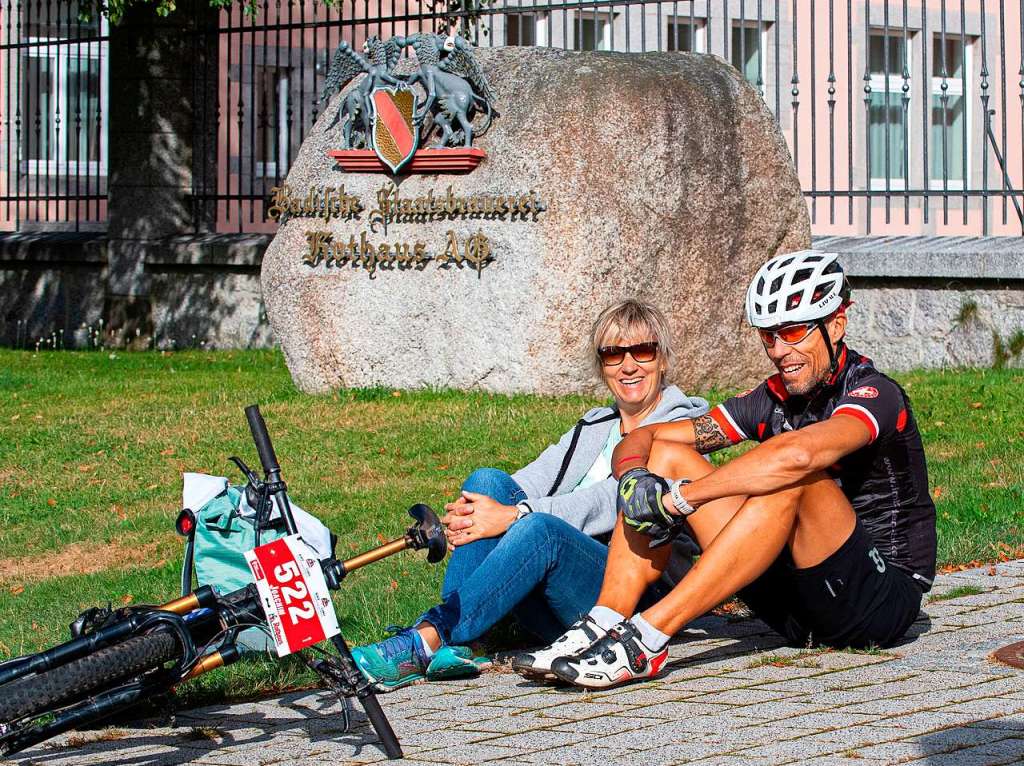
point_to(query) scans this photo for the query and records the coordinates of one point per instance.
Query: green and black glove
(639, 501)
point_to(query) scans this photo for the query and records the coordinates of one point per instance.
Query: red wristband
(628, 458)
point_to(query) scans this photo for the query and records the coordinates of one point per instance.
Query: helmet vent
(784, 263)
(793, 300)
(772, 306)
(776, 286)
(802, 276)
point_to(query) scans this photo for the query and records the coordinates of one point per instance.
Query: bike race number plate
(293, 594)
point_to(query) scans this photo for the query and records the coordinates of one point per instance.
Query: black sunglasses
(641, 352)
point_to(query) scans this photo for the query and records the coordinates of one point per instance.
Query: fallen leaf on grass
(937, 492)
(442, 468)
(127, 598)
(939, 423)
(51, 501)
(17, 590)
(15, 417)
(167, 452)
(152, 486)
(86, 467)
(393, 585)
(119, 511)
(396, 393)
(976, 405)
(381, 539)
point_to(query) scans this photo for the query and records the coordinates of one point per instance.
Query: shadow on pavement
(992, 741)
(219, 727)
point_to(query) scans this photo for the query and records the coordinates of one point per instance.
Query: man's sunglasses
(641, 352)
(790, 334)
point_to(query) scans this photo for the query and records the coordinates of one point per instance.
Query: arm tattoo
(708, 435)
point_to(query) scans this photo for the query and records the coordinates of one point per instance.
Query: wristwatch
(684, 508)
(522, 509)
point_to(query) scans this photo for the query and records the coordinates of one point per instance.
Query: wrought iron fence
(53, 167)
(899, 118)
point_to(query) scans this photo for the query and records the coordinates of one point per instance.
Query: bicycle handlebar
(262, 440)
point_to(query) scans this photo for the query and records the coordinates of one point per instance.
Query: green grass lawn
(92, 447)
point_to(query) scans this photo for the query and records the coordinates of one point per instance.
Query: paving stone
(706, 683)
(890, 752)
(520, 722)
(790, 750)
(926, 721)
(780, 709)
(859, 736)
(832, 719)
(745, 696)
(602, 726)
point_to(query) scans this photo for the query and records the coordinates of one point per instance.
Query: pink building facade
(903, 118)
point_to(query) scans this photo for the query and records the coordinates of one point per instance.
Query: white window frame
(540, 24)
(48, 48)
(762, 46)
(956, 88)
(600, 17)
(700, 31)
(878, 82)
(268, 169)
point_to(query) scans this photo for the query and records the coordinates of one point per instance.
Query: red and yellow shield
(395, 136)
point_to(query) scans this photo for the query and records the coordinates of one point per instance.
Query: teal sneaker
(453, 662)
(394, 662)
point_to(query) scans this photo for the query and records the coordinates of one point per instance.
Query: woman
(524, 543)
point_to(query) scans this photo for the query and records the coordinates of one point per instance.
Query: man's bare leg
(813, 519)
(632, 564)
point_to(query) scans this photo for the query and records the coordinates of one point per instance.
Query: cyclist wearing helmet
(825, 529)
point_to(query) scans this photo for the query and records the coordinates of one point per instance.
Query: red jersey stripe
(861, 414)
(721, 416)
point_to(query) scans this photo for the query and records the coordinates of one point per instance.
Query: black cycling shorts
(853, 598)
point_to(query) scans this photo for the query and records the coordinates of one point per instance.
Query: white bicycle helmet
(805, 286)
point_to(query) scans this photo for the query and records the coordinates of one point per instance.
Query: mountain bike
(117, 658)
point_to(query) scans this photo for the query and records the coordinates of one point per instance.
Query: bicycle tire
(37, 694)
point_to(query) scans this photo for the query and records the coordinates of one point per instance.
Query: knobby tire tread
(35, 694)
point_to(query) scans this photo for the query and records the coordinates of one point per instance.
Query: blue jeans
(543, 571)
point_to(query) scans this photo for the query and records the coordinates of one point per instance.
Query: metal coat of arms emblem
(383, 120)
(395, 135)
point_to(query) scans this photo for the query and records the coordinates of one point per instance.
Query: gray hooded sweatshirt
(549, 480)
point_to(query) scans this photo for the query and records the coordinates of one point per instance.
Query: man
(825, 529)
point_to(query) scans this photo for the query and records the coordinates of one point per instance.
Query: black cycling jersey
(886, 481)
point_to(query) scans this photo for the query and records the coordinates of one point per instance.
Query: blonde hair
(631, 319)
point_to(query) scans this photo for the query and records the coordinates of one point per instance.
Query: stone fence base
(919, 302)
(935, 301)
(203, 292)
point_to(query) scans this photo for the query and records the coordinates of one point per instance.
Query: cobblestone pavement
(732, 695)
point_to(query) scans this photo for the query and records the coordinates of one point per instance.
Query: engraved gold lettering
(318, 246)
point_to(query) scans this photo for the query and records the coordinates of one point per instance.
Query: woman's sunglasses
(790, 334)
(612, 356)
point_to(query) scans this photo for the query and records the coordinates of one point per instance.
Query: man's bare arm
(782, 461)
(708, 436)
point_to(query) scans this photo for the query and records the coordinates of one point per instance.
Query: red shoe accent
(658, 661)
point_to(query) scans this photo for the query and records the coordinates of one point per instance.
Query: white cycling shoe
(537, 664)
(619, 656)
